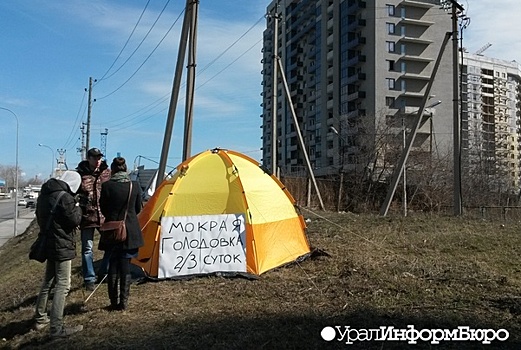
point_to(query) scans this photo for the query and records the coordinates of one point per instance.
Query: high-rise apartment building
(491, 115)
(356, 71)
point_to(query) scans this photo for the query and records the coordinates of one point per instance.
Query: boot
(112, 287)
(124, 289)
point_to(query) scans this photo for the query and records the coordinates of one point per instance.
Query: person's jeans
(87, 257)
(59, 274)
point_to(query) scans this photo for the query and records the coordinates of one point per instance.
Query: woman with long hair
(118, 196)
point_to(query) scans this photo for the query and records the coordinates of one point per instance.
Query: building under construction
(357, 72)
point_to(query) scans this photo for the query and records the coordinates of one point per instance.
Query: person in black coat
(115, 199)
(58, 226)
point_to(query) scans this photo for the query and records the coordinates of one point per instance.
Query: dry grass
(430, 272)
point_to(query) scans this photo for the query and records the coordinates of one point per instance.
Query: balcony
(355, 77)
(358, 41)
(411, 3)
(330, 39)
(416, 22)
(415, 77)
(408, 39)
(355, 95)
(330, 72)
(356, 59)
(416, 58)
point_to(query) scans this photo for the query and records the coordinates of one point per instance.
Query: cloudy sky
(50, 48)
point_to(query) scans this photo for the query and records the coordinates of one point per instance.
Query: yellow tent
(220, 212)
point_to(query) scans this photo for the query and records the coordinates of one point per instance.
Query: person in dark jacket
(114, 200)
(58, 226)
(93, 171)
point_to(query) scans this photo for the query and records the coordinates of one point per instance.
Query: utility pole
(274, 140)
(190, 82)
(404, 142)
(399, 168)
(456, 8)
(342, 144)
(175, 92)
(62, 163)
(103, 145)
(89, 111)
(299, 134)
(82, 149)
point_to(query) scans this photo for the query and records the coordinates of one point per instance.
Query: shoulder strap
(53, 209)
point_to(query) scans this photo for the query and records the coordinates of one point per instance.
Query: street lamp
(16, 171)
(52, 159)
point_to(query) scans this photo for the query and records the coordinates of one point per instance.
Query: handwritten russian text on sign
(202, 244)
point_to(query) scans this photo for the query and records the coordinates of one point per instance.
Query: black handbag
(38, 248)
(113, 232)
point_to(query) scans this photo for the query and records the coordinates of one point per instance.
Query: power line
(229, 47)
(124, 46)
(70, 137)
(146, 59)
(156, 103)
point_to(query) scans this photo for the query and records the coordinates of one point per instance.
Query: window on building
(389, 101)
(391, 28)
(390, 65)
(390, 9)
(390, 46)
(391, 83)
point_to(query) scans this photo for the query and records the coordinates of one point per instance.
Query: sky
(50, 48)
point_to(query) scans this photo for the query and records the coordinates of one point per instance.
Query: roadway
(25, 217)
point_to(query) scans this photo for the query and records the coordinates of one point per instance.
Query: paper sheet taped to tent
(202, 244)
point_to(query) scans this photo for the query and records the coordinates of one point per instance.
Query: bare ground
(432, 272)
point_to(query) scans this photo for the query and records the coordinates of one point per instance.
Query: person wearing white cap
(58, 216)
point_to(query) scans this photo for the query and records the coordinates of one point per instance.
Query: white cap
(72, 178)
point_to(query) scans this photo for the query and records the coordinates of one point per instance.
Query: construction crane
(482, 49)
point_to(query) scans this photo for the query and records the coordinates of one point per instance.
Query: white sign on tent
(202, 244)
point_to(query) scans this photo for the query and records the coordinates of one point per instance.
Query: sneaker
(90, 286)
(66, 331)
(38, 326)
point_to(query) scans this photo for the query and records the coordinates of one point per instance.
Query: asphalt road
(7, 209)
(7, 227)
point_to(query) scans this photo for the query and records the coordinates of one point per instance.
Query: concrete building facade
(491, 108)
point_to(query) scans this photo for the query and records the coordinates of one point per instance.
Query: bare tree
(8, 173)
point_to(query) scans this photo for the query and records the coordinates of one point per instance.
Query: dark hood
(55, 185)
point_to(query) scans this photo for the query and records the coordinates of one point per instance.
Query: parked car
(22, 201)
(31, 203)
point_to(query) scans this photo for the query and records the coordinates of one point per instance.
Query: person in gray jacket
(58, 226)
